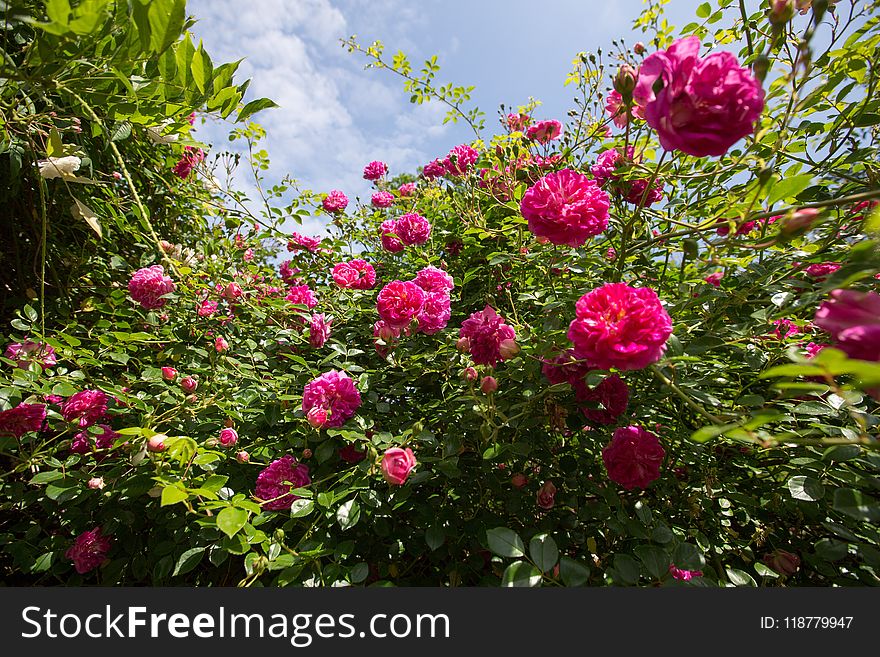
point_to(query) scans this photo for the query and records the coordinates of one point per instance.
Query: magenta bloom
(351, 454)
(335, 393)
(148, 285)
(302, 295)
(413, 229)
(785, 328)
(28, 352)
(620, 326)
(399, 303)
(319, 330)
(276, 481)
(566, 208)
(616, 109)
(544, 131)
(431, 279)
(684, 575)
(433, 169)
(228, 436)
(566, 368)
(335, 201)
(85, 407)
(742, 229)
(613, 396)
(459, 160)
(700, 106)
(813, 349)
(397, 463)
(635, 190)
(518, 122)
(853, 320)
(485, 330)
(207, 308)
(435, 312)
(298, 242)
(407, 189)
(357, 274)
(382, 199)
(82, 442)
(820, 270)
(390, 239)
(89, 550)
(607, 163)
(546, 496)
(22, 419)
(633, 457)
(188, 161)
(375, 170)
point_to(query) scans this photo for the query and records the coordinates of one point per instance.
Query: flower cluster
(148, 286)
(330, 400)
(565, 207)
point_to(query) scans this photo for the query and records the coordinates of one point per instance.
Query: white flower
(59, 167)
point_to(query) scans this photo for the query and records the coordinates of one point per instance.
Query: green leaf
(740, 577)
(348, 514)
(166, 22)
(520, 573)
(688, 557)
(656, 560)
(255, 106)
(202, 69)
(856, 505)
(573, 573)
(806, 488)
(46, 477)
(543, 551)
(188, 560)
(230, 520)
(301, 508)
(173, 494)
(627, 569)
(788, 188)
(505, 542)
(435, 537)
(704, 10)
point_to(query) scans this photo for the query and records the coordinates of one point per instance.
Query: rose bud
(165, 245)
(242, 456)
(488, 384)
(508, 348)
(625, 81)
(307, 453)
(96, 483)
(189, 384)
(784, 563)
(519, 480)
(157, 443)
(547, 495)
(397, 464)
(228, 437)
(639, 48)
(317, 416)
(169, 373)
(799, 222)
(469, 374)
(220, 344)
(463, 345)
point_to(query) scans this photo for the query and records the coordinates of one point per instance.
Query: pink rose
(566, 208)
(407, 189)
(148, 285)
(334, 395)
(22, 419)
(413, 229)
(390, 238)
(28, 352)
(714, 278)
(382, 199)
(335, 201)
(633, 457)
(700, 106)
(433, 169)
(399, 303)
(189, 384)
(157, 443)
(303, 242)
(546, 497)
(89, 550)
(319, 330)
(242, 456)
(484, 331)
(488, 385)
(544, 131)
(85, 407)
(228, 437)
(356, 274)
(375, 170)
(853, 320)
(276, 481)
(220, 344)
(459, 160)
(397, 464)
(612, 395)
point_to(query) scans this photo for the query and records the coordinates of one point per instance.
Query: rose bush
(639, 348)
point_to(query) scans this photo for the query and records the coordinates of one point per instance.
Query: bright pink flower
(459, 160)
(207, 308)
(607, 162)
(700, 106)
(232, 291)
(96, 483)
(89, 550)
(616, 109)
(317, 417)
(85, 407)
(382, 199)
(390, 238)
(334, 392)
(813, 349)
(397, 463)
(188, 161)
(433, 169)
(714, 278)
(633, 457)
(620, 326)
(319, 330)
(357, 274)
(189, 384)
(242, 456)
(684, 575)
(169, 373)
(611, 254)
(302, 295)
(853, 320)
(248, 255)
(82, 442)
(566, 207)
(335, 201)
(636, 192)
(518, 122)
(431, 279)
(435, 313)
(412, 229)
(147, 286)
(305, 242)
(544, 131)
(22, 419)
(407, 189)
(820, 270)
(485, 330)
(613, 396)
(28, 352)
(276, 481)
(785, 328)
(546, 497)
(375, 170)
(399, 303)
(220, 344)
(742, 229)
(470, 374)
(351, 454)
(228, 436)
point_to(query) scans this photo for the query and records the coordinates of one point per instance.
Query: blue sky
(335, 116)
